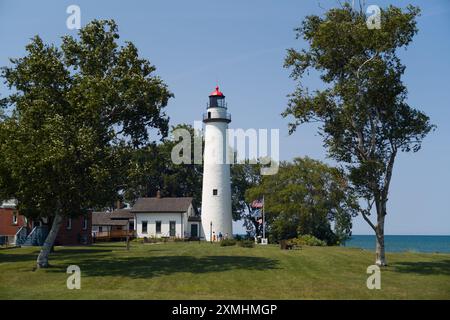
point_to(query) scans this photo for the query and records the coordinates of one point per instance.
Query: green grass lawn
(208, 271)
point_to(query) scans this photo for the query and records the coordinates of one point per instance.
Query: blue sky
(242, 44)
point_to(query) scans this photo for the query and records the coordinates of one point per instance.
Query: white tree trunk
(42, 259)
(380, 254)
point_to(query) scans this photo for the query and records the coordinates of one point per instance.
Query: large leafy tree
(152, 169)
(307, 197)
(365, 119)
(245, 176)
(75, 115)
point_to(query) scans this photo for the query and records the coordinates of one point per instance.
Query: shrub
(246, 243)
(308, 240)
(227, 242)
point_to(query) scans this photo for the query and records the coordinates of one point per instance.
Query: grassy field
(208, 271)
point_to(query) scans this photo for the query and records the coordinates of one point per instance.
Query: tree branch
(366, 216)
(368, 221)
(387, 179)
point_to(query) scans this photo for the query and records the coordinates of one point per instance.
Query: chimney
(158, 194)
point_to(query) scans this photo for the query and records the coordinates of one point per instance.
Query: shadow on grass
(18, 257)
(425, 268)
(149, 267)
(58, 253)
(69, 251)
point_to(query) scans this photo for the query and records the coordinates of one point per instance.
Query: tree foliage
(245, 176)
(152, 169)
(307, 197)
(364, 116)
(75, 115)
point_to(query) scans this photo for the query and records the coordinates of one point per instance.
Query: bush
(246, 243)
(227, 242)
(308, 240)
(238, 237)
(147, 240)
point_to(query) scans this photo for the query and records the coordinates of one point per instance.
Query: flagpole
(263, 220)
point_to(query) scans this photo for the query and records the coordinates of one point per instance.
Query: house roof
(8, 204)
(162, 204)
(121, 214)
(104, 219)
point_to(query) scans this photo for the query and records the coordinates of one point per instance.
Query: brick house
(73, 231)
(10, 222)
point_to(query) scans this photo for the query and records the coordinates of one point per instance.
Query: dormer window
(14, 217)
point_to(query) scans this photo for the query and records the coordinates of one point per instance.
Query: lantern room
(216, 99)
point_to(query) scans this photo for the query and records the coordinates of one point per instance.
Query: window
(69, 224)
(14, 217)
(158, 226)
(85, 223)
(144, 226)
(215, 192)
(100, 229)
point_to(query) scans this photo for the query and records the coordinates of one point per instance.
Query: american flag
(255, 213)
(257, 204)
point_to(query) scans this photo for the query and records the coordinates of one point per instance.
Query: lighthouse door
(194, 230)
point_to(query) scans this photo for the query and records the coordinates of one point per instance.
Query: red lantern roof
(216, 93)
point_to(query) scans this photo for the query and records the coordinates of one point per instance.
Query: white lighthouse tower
(216, 193)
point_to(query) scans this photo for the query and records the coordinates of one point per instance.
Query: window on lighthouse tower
(215, 192)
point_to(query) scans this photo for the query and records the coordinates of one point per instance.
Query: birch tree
(362, 111)
(73, 116)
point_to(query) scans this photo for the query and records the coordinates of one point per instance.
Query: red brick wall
(65, 237)
(73, 236)
(7, 228)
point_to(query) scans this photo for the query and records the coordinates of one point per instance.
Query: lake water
(396, 243)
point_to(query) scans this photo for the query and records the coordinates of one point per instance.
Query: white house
(167, 217)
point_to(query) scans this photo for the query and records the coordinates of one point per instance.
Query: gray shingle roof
(162, 204)
(104, 219)
(121, 214)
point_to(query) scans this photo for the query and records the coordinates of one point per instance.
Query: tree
(77, 112)
(365, 120)
(305, 198)
(152, 169)
(244, 176)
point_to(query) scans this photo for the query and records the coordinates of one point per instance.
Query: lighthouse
(216, 192)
